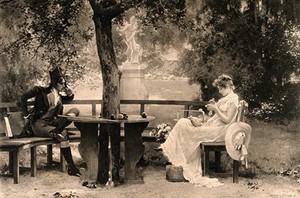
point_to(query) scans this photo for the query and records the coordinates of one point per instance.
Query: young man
(43, 117)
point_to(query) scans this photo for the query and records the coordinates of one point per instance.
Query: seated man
(43, 120)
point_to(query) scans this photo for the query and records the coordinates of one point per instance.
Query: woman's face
(224, 91)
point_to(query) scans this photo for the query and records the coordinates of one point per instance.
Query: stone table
(97, 160)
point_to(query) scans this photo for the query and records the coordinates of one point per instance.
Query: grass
(272, 148)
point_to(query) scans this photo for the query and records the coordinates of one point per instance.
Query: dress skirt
(182, 147)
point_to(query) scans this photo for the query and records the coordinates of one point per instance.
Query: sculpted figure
(129, 30)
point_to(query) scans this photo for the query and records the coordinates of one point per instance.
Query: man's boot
(72, 170)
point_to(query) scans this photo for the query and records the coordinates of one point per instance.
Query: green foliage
(51, 31)
(283, 104)
(12, 80)
(256, 45)
(154, 61)
(260, 52)
(164, 11)
(227, 46)
(37, 35)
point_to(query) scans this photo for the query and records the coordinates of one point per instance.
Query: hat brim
(232, 131)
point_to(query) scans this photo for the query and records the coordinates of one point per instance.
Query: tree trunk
(110, 72)
(111, 88)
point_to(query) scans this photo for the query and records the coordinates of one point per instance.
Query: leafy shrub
(161, 132)
(14, 82)
(282, 105)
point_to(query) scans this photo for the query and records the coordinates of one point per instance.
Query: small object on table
(144, 115)
(120, 116)
(125, 116)
(112, 117)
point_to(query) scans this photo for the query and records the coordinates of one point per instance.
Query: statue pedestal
(132, 83)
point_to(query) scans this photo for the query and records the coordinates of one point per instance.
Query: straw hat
(237, 140)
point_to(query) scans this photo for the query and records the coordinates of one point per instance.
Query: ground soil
(51, 182)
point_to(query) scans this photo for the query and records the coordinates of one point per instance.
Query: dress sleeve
(233, 101)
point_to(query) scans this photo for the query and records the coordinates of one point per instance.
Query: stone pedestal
(132, 83)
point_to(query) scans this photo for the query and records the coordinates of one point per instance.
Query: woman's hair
(223, 81)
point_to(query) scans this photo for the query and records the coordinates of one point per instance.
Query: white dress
(182, 147)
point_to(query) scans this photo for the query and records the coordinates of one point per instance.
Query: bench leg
(16, 171)
(236, 166)
(206, 163)
(49, 156)
(218, 161)
(11, 162)
(33, 161)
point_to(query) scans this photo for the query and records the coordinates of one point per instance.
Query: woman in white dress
(182, 147)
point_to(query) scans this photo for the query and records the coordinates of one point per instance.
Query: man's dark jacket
(41, 104)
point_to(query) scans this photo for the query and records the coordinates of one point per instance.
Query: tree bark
(110, 73)
(104, 12)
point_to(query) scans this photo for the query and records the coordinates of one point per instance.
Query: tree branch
(111, 10)
(3, 2)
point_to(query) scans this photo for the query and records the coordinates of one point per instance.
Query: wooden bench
(218, 147)
(15, 145)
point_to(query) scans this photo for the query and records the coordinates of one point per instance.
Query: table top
(97, 119)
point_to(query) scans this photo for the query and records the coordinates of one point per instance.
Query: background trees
(35, 35)
(52, 28)
(257, 42)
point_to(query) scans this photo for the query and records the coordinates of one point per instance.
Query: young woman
(182, 146)
(44, 120)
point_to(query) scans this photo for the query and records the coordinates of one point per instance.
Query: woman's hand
(211, 107)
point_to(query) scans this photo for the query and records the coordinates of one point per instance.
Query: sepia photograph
(150, 98)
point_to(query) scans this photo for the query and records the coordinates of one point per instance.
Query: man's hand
(68, 91)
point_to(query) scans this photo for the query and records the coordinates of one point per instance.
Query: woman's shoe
(158, 149)
(73, 171)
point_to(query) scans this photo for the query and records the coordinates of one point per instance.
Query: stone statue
(134, 50)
